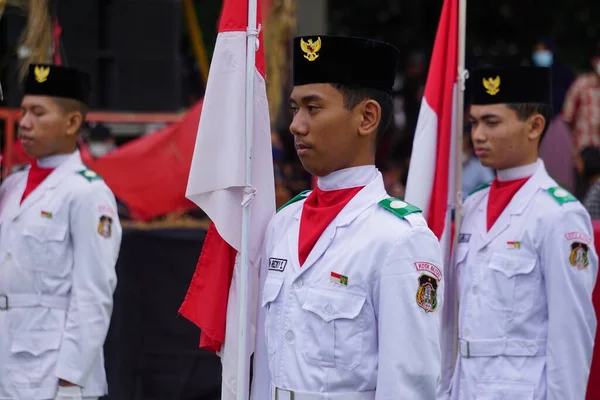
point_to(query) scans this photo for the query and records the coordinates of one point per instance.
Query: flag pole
(460, 101)
(243, 378)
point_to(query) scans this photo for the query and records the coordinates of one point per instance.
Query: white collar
(348, 178)
(521, 172)
(53, 161)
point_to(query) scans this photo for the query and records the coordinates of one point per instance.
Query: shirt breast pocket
(512, 282)
(272, 323)
(44, 247)
(333, 329)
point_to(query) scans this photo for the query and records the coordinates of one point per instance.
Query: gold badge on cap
(41, 73)
(492, 85)
(311, 48)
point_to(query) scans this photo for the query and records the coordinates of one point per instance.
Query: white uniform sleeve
(408, 299)
(569, 276)
(96, 237)
(261, 378)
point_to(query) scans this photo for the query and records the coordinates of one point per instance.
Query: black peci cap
(351, 61)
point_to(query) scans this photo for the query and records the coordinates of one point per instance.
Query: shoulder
(88, 187)
(556, 206)
(475, 196)
(394, 220)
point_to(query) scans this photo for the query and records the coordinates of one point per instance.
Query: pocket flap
(461, 253)
(512, 265)
(271, 290)
(47, 233)
(35, 342)
(333, 304)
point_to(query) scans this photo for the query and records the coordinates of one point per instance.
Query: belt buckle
(5, 306)
(277, 390)
(468, 355)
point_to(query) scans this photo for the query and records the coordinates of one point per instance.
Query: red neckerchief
(319, 209)
(500, 195)
(34, 178)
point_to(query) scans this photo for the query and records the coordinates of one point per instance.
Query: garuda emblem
(492, 85)
(41, 73)
(311, 49)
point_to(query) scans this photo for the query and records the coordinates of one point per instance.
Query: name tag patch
(464, 238)
(277, 264)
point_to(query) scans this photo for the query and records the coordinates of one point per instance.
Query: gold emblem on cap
(311, 48)
(41, 73)
(492, 85)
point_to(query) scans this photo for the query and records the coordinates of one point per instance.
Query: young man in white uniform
(351, 279)
(525, 260)
(59, 242)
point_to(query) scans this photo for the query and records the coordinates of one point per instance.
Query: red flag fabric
(217, 184)
(149, 174)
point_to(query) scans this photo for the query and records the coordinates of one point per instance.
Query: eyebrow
(483, 117)
(307, 99)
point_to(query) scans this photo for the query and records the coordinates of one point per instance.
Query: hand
(70, 392)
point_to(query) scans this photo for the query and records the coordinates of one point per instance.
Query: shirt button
(466, 333)
(474, 290)
(298, 284)
(8, 256)
(289, 336)
(328, 309)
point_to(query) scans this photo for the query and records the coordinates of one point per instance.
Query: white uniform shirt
(363, 312)
(58, 251)
(526, 320)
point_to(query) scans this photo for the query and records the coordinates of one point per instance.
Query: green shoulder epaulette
(480, 187)
(89, 175)
(299, 197)
(399, 207)
(561, 195)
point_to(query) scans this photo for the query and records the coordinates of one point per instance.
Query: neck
(523, 171)
(53, 161)
(348, 178)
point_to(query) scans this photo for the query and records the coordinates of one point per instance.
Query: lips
(481, 151)
(302, 148)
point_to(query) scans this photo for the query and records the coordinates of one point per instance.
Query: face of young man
(328, 137)
(500, 139)
(46, 128)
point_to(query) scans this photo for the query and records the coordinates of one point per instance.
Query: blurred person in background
(588, 167)
(59, 243)
(557, 141)
(581, 112)
(100, 140)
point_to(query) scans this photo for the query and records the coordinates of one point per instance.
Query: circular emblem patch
(427, 293)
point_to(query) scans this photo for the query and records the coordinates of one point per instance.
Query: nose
(25, 122)
(477, 134)
(298, 125)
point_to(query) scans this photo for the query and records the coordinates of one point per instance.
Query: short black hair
(354, 95)
(70, 105)
(526, 110)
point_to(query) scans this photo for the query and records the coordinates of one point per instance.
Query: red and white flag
(217, 185)
(432, 174)
(432, 170)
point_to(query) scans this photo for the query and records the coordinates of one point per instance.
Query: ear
(371, 116)
(74, 122)
(536, 126)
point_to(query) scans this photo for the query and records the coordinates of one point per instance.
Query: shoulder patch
(89, 175)
(561, 195)
(480, 187)
(293, 200)
(398, 207)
